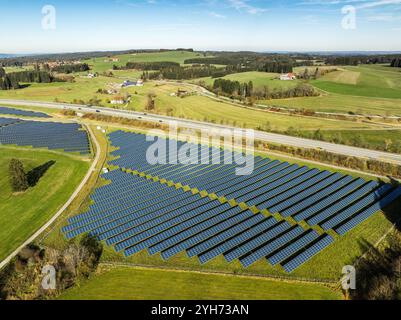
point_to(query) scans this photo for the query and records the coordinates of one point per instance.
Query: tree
(18, 177)
(306, 74)
(150, 104)
(318, 74)
(2, 72)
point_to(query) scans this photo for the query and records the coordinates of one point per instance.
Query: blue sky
(258, 25)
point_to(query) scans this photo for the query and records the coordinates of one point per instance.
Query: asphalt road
(259, 135)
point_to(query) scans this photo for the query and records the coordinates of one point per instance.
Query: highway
(197, 125)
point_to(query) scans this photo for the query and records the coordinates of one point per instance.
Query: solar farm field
(24, 113)
(279, 217)
(69, 137)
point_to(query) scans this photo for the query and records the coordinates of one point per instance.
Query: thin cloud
(243, 5)
(217, 15)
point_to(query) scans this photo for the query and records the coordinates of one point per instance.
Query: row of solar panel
(131, 212)
(199, 226)
(305, 194)
(25, 113)
(57, 136)
(7, 121)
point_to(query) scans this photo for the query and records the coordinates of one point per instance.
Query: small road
(65, 206)
(198, 125)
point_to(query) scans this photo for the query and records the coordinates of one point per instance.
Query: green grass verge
(141, 284)
(22, 214)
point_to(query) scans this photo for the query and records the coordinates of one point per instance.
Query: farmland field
(372, 89)
(22, 214)
(192, 107)
(133, 284)
(333, 102)
(102, 64)
(259, 79)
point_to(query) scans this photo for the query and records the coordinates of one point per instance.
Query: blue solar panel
(294, 247)
(308, 253)
(24, 113)
(134, 212)
(270, 247)
(56, 136)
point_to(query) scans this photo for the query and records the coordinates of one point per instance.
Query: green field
(205, 109)
(342, 103)
(101, 64)
(142, 284)
(193, 107)
(365, 89)
(371, 138)
(22, 214)
(259, 79)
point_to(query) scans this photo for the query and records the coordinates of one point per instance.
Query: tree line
(235, 90)
(354, 60)
(374, 166)
(11, 80)
(186, 73)
(71, 68)
(396, 63)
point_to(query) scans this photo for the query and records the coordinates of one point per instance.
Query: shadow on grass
(36, 174)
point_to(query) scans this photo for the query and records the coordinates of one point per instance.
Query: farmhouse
(118, 100)
(128, 83)
(112, 60)
(288, 77)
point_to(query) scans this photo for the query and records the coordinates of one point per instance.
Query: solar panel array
(69, 137)
(7, 122)
(24, 113)
(137, 211)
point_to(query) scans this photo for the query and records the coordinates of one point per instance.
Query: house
(112, 60)
(128, 83)
(118, 100)
(288, 77)
(182, 93)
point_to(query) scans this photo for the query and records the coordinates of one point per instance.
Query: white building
(118, 100)
(288, 77)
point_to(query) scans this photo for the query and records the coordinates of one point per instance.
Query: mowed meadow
(133, 284)
(365, 89)
(24, 213)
